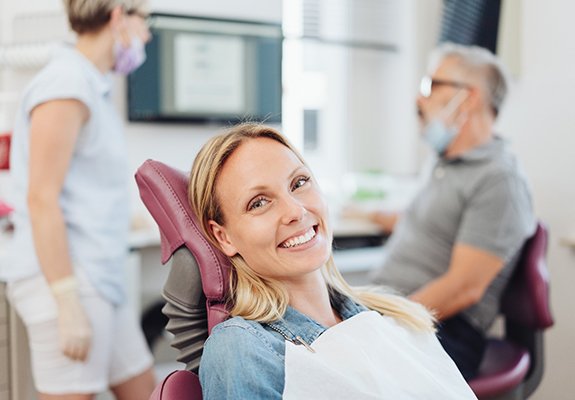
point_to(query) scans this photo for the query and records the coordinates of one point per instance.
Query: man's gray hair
(479, 62)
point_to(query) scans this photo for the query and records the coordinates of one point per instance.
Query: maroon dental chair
(195, 295)
(195, 291)
(512, 367)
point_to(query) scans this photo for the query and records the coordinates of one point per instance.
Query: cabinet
(15, 373)
(4, 356)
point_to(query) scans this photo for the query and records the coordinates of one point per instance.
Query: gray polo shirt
(481, 199)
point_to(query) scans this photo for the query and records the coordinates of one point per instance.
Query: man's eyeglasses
(427, 84)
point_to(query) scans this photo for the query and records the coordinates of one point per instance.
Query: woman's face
(136, 26)
(275, 216)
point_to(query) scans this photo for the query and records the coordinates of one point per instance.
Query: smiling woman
(297, 329)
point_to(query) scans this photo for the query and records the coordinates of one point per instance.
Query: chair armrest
(179, 385)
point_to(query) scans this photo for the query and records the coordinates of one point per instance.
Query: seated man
(456, 245)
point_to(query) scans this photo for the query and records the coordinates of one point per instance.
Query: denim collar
(295, 326)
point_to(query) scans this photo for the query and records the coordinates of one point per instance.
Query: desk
(148, 276)
(15, 373)
(353, 263)
(357, 249)
(149, 236)
(357, 246)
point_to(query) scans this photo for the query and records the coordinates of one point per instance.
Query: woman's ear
(223, 239)
(116, 18)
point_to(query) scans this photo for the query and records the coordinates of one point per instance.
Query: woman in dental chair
(297, 330)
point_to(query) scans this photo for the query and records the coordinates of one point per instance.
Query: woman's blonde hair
(255, 297)
(86, 16)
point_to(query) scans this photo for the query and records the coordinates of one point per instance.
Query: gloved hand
(74, 327)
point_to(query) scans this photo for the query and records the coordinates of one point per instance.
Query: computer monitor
(208, 70)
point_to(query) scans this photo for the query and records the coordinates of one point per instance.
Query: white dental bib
(370, 356)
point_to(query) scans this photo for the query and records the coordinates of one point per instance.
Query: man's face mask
(437, 133)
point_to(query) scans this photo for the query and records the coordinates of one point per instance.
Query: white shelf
(358, 260)
(144, 238)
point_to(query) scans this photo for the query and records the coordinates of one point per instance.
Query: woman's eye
(300, 181)
(257, 203)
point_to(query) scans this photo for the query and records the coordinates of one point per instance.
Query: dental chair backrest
(196, 288)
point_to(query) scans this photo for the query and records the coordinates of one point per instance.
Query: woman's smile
(299, 240)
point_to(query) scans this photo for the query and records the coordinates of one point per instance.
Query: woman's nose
(292, 210)
(147, 35)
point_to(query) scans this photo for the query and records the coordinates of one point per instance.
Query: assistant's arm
(54, 128)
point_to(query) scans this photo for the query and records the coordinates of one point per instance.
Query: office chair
(512, 367)
(195, 291)
(197, 283)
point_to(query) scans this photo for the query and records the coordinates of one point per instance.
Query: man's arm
(496, 222)
(386, 220)
(469, 274)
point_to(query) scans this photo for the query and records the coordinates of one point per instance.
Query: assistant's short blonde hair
(87, 16)
(255, 297)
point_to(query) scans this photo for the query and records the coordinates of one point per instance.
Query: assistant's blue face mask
(437, 133)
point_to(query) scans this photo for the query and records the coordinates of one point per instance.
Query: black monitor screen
(203, 69)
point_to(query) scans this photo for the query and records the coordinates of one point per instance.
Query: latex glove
(75, 331)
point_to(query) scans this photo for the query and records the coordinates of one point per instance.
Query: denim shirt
(246, 359)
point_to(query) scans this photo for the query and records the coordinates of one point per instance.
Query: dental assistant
(66, 276)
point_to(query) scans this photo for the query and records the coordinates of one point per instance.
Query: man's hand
(386, 220)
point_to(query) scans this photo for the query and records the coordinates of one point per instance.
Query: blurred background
(339, 78)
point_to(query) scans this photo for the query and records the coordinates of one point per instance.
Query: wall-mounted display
(208, 70)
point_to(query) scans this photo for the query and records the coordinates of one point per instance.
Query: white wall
(539, 120)
(255, 10)
(541, 124)
(44, 20)
(365, 97)
(175, 144)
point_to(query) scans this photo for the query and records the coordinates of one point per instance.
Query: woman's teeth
(299, 240)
